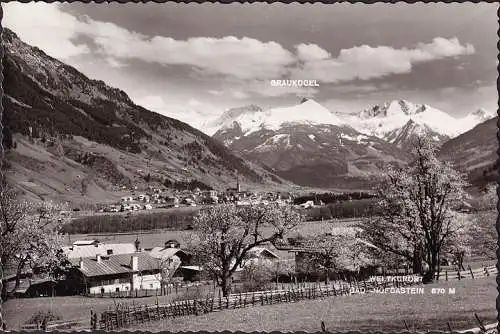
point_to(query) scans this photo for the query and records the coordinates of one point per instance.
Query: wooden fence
(52, 325)
(125, 315)
(467, 274)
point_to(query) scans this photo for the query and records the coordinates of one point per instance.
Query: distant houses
(152, 198)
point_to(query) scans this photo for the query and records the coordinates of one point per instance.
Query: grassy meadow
(357, 312)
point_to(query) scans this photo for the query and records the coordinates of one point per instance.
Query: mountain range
(76, 139)
(80, 140)
(312, 146)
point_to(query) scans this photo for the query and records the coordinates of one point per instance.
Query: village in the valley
(158, 198)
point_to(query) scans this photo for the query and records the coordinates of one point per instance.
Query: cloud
(115, 63)
(239, 94)
(41, 24)
(243, 58)
(367, 62)
(215, 92)
(192, 111)
(311, 52)
(45, 26)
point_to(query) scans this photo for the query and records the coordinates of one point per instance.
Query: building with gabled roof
(115, 273)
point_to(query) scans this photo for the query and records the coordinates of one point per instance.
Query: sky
(193, 61)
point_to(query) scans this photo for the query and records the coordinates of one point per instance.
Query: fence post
(446, 274)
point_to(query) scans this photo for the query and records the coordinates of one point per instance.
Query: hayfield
(356, 312)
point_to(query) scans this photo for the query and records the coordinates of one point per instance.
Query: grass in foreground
(358, 312)
(77, 308)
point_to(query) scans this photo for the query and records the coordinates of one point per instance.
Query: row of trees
(109, 223)
(333, 197)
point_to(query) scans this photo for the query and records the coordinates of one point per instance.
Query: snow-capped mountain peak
(393, 108)
(471, 120)
(384, 119)
(252, 118)
(482, 114)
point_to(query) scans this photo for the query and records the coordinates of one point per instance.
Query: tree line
(328, 198)
(113, 223)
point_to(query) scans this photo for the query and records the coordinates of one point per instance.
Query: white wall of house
(147, 282)
(144, 282)
(110, 288)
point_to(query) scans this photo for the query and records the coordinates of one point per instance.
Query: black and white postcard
(249, 167)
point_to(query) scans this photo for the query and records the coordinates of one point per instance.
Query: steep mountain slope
(475, 152)
(62, 119)
(301, 144)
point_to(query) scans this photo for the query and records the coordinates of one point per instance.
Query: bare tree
(416, 206)
(224, 234)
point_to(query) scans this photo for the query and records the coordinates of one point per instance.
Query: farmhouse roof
(194, 268)
(85, 242)
(90, 250)
(259, 251)
(165, 253)
(115, 264)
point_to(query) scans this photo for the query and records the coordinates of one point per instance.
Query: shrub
(256, 277)
(193, 293)
(40, 316)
